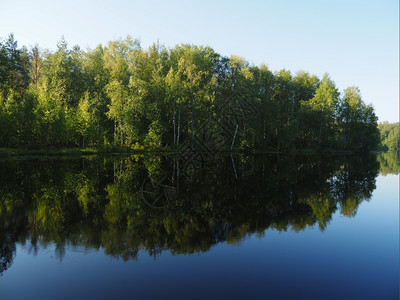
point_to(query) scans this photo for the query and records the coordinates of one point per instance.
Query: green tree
(126, 95)
(321, 109)
(389, 136)
(84, 119)
(9, 118)
(117, 58)
(96, 79)
(285, 129)
(357, 121)
(305, 86)
(191, 81)
(14, 63)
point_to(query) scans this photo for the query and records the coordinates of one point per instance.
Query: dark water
(235, 227)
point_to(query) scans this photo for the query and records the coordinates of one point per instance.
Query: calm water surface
(237, 227)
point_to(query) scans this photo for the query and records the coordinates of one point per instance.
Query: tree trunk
(234, 137)
(122, 133)
(115, 130)
(192, 129)
(98, 132)
(174, 128)
(179, 126)
(320, 135)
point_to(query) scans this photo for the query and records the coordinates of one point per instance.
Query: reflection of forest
(389, 162)
(161, 203)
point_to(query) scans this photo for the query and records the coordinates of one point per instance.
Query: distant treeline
(121, 94)
(390, 139)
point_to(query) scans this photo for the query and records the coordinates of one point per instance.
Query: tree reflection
(125, 205)
(7, 253)
(389, 162)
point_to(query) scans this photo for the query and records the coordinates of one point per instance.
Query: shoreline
(123, 150)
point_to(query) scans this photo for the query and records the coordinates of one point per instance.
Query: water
(237, 227)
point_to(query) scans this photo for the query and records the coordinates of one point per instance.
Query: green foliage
(14, 62)
(321, 110)
(357, 121)
(389, 136)
(123, 95)
(84, 123)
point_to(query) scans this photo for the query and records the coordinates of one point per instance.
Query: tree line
(390, 139)
(122, 94)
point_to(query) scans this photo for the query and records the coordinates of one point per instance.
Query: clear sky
(355, 41)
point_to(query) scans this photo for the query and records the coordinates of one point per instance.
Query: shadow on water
(183, 205)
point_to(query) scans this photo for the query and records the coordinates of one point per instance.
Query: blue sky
(356, 42)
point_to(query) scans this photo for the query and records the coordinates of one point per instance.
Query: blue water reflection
(354, 257)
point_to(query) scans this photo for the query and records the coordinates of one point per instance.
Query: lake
(192, 227)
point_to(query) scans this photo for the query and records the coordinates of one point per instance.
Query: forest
(123, 95)
(390, 139)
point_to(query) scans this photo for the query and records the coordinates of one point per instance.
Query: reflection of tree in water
(100, 203)
(7, 253)
(389, 162)
(11, 229)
